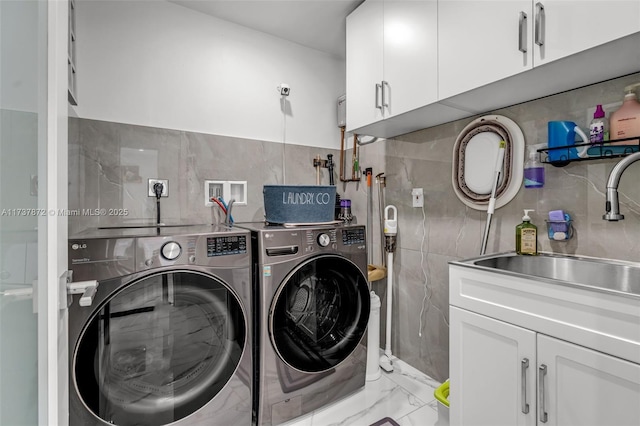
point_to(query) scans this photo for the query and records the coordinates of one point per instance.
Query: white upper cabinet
(364, 64)
(412, 64)
(410, 55)
(565, 27)
(482, 41)
(391, 59)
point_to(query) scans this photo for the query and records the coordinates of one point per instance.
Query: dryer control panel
(226, 245)
(213, 250)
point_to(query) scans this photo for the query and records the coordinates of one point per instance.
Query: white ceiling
(319, 24)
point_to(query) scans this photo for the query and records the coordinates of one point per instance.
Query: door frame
(52, 228)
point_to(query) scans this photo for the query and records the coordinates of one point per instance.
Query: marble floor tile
(405, 395)
(423, 416)
(413, 381)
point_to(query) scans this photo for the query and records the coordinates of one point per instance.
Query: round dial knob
(324, 240)
(171, 250)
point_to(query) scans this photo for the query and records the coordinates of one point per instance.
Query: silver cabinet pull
(522, 35)
(540, 23)
(378, 90)
(385, 100)
(542, 371)
(524, 365)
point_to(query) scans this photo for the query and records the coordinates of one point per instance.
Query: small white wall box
(342, 111)
(227, 189)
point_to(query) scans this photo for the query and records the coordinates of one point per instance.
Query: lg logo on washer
(79, 246)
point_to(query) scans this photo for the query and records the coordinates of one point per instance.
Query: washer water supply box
(299, 203)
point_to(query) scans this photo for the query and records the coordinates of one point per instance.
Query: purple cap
(599, 112)
(345, 203)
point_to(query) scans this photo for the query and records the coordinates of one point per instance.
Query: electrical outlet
(417, 197)
(165, 187)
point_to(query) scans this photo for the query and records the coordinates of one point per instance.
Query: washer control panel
(353, 236)
(319, 239)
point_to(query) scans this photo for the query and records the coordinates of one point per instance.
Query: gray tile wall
(107, 170)
(454, 231)
(110, 164)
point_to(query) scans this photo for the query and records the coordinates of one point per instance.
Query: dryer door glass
(159, 349)
(320, 314)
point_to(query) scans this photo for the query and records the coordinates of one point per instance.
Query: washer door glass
(320, 314)
(159, 349)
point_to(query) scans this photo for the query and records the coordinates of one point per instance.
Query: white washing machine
(311, 308)
(166, 338)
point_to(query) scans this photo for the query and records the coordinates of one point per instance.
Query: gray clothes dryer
(167, 337)
(311, 311)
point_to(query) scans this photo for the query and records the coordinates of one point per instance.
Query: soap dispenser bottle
(533, 168)
(527, 236)
(625, 122)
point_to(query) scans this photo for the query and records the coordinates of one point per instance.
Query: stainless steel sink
(598, 274)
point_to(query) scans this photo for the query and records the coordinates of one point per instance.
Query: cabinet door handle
(524, 365)
(378, 90)
(542, 371)
(385, 100)
(522, 35)
(540, 24)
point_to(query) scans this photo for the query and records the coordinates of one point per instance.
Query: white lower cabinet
(492, 371)
(502, 374)
(583, 387)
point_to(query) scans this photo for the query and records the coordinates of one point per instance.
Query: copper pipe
(343, 159)
(342, 179)
(317, 164)
(355, 153)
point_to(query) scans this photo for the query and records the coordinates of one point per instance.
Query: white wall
(159, 64)
(18, 56)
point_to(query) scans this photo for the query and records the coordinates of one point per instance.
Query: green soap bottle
(527, 236)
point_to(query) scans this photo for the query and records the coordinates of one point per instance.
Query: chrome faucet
(612, 205)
